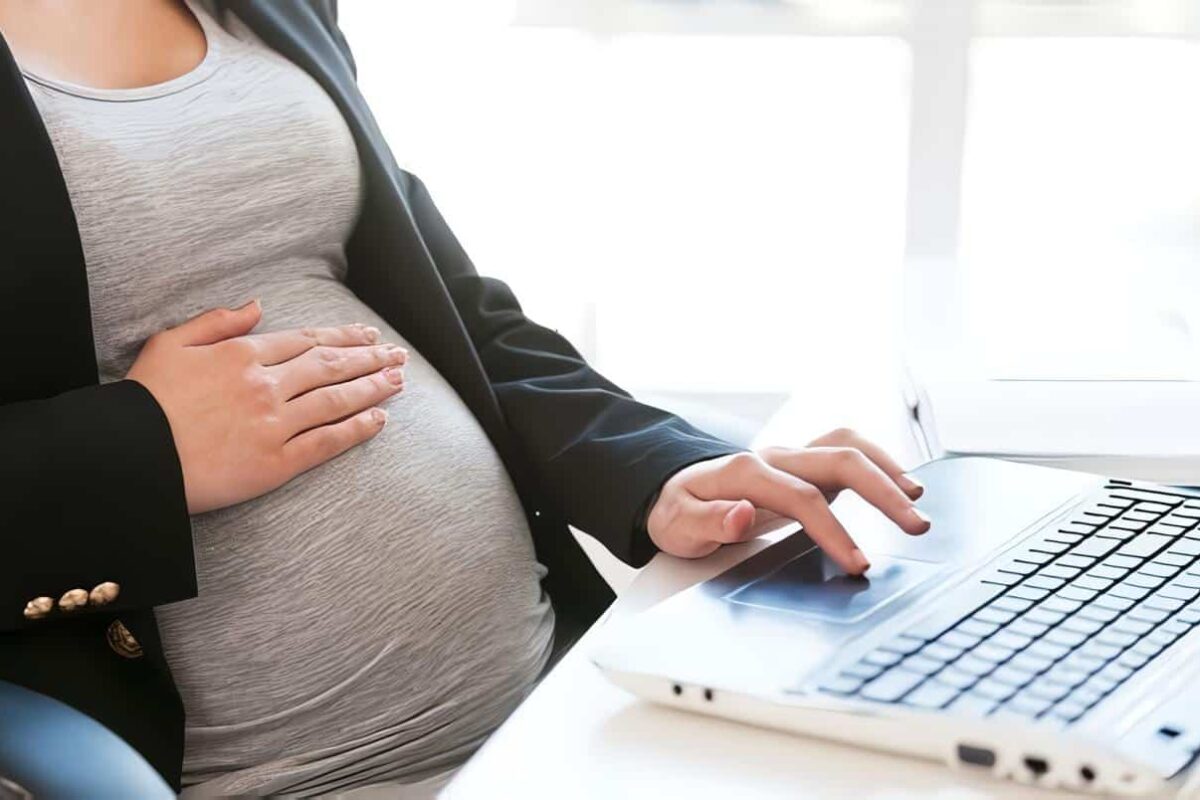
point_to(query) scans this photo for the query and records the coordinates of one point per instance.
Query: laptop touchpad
(813, 585)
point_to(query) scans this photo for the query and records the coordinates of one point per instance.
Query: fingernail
(379, 416)
(394, 375)
(372, 334)
(913, 486)
(858, 561)
(920, 516)
(253, 302)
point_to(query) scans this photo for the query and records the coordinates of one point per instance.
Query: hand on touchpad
(813, 585)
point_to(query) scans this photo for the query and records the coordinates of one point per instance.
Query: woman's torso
(379, 615)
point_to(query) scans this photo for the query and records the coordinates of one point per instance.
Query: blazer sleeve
(601, 454)
(91, 491)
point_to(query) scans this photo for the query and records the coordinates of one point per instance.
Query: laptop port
(976, 756)
(1038, 766)
(1087, 773)
(676, 689)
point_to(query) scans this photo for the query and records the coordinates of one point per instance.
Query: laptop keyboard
(1055, 625)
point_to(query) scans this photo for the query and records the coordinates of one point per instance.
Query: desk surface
(577, 735)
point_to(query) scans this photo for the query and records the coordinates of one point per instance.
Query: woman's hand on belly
(251, 412)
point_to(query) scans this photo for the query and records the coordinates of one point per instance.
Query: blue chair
(50, 750)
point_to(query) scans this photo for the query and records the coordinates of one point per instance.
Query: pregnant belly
(393, 586)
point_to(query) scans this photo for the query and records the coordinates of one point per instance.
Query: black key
(931, 694)
(892, 685)
(1145, 545)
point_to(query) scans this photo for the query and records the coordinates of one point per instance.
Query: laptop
(1043, 631)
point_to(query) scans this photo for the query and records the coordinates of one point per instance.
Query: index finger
(789, 496)
(844, 437)
(275, 348)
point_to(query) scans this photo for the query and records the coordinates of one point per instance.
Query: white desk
(578, 736)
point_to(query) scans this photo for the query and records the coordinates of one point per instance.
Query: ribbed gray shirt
(377, 617)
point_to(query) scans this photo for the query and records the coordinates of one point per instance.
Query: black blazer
(90, 483)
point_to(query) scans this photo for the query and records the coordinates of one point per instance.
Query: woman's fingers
(280, 346)
(326, 366)
(331, 403)
(749, 477)
(318, 445)
(835, 468)
(698, 527)
(844, 437)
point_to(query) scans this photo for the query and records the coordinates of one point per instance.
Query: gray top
(377, 617)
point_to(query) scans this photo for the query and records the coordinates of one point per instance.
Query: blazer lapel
(45, 315)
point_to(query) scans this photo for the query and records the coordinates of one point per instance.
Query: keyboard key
(1058, 603)
(1064, 675)
(1116, 534)
(997, 578)
(1012, 675)
(1045, 616)
(904, 645)
(972, 705)
(1024, 627)
(1144, 580)
(882, 658)
(990, 651)
(1077, 528)
(959, 604)
(1112, 601)
(1095, 547)
(1043, 581)
(960, 640)
(1127, 591)
(1133, 659)
(1122, 562)
(1050, 546)
(1069, 710)
(1145, 545)
(863, 670)
(1173, 560)
(1073, 592)
(892, 685)
(1082, 625)
(994, 690)
(925, 666)
(1176, 627)
(956, 678)
(931, 694)
(1010, 640)
(941, 651)
(1165, 603)
(1159, 569)
(1100, 651)
(1010, 603)
(1109, 571)
(1035, 557)
(974, 666)
(1093, 582)
(1149, 615)
(1098, 613)
(1116, 638)
(1177, 592)
(1028, 704)
(1066, 638)
(1146, 647)
(1059, 571)
(1134, 627)
(1115, 671)
(1066, 537)
(1187, 547)
(1030, 662)
(1047, 690)
(1076, 559)
(974, 627)
(841, 684)
(991, 614)
(1049, 650)
(1027, 592)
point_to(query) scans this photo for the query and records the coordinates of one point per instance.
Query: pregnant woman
(274, 458)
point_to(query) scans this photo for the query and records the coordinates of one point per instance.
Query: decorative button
(38, 607)
(76, 598)
(122, 642)
(105, 593)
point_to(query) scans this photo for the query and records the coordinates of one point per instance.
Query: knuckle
(841, 435)
(331, 360)
(743, 462)
(337, 401)
(807, 494)
(846, 457)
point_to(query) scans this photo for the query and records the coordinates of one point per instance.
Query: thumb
(732, 519)
(219, 324)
